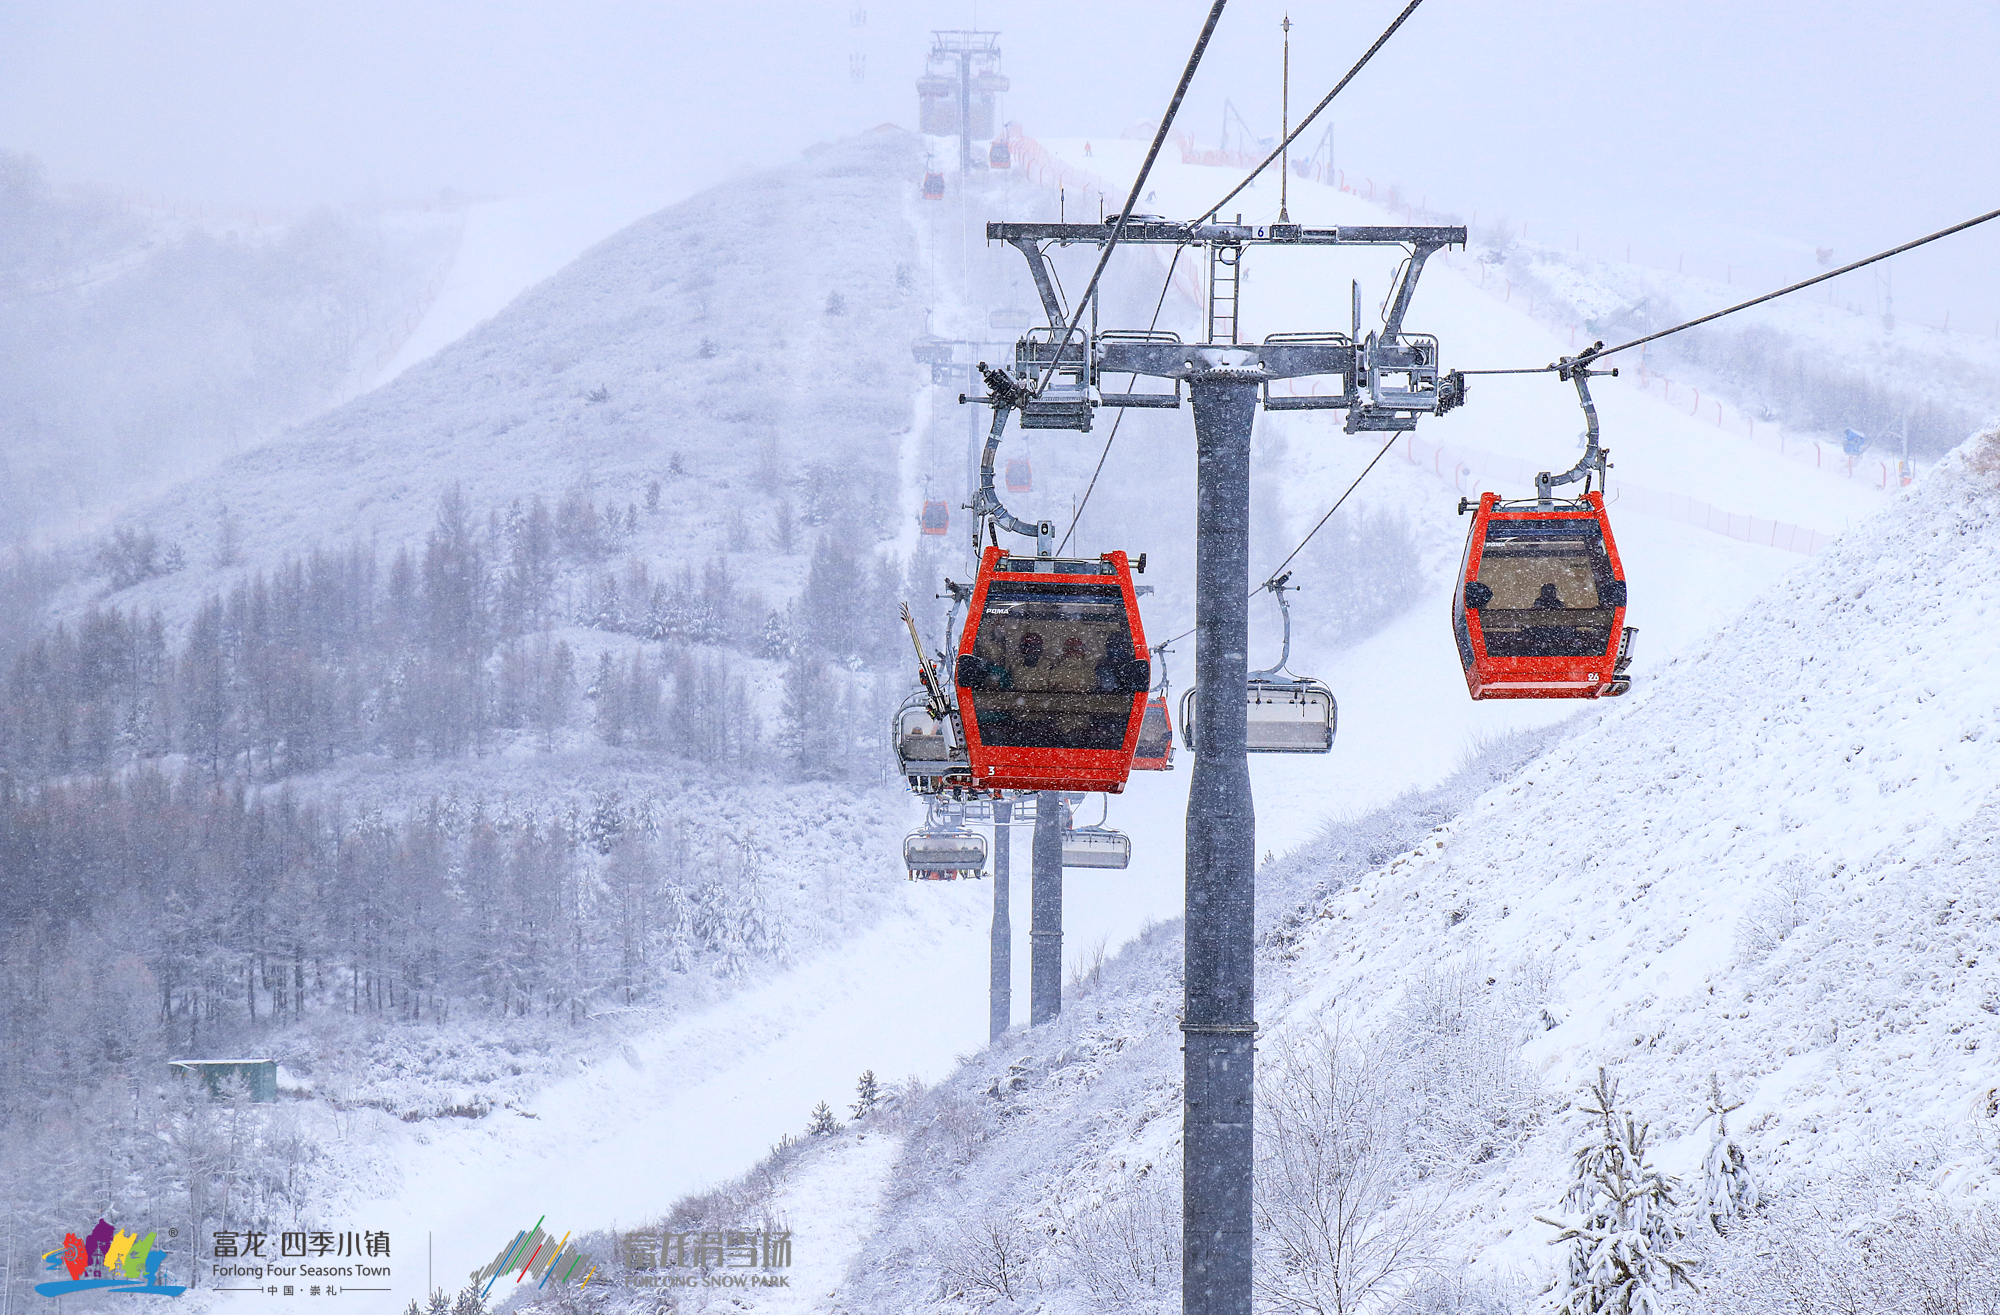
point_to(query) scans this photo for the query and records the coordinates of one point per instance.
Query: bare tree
(1868, 1247)
(1127, 1252)
(986, 1261)
(1343, 1220)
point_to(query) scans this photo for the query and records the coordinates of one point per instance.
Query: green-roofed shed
(258, 1076)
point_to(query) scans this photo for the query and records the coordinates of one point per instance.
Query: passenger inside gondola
(1530, 569)
(1113, 671)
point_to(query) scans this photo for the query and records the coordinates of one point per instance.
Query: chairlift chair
(933, 185)
(1051, 687)
(936, 517)
(944, 853)
(1282, 712)
(1539, 611)
(928, 750)
(1096, 846)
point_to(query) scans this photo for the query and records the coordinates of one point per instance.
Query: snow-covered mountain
(1485, 903)
(723, 347)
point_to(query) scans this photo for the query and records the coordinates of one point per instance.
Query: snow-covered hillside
(743, 331)
(1774, 869)
(141, 345)
(1767, 869)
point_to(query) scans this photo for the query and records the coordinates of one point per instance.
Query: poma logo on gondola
(107, 1258)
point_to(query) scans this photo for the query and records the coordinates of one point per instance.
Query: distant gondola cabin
(1155, 750)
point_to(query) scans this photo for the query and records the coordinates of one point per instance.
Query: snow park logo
(107, 1258)
(530, 1250)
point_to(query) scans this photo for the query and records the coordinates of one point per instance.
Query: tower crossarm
(1152, 231)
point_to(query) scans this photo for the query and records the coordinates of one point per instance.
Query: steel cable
(1120, 418)
(1599, 353)
(1138, 184)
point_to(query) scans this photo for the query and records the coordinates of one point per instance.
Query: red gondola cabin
(936, 518)
(933, 185)
(1156, 739)
(1050, 684)
(1540, 605)
(1020, 475)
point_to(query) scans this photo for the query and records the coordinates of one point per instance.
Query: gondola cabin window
(1052, 667)
(1544, 589)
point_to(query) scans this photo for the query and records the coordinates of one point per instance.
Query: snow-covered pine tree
(867, 1095)
(823, 1121)
(1729, 1190)
(1624, 1246)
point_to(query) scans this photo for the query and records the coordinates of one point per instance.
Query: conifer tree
(823, 1121)
(1624, 1244)
(1729, 1190)
(867, 1095)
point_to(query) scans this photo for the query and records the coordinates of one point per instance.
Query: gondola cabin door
(1540, 606)
(1050, 683)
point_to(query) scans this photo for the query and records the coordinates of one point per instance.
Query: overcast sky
(1732, 129)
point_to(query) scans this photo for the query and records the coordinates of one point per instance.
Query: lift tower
(1388, 380)
(960, 89)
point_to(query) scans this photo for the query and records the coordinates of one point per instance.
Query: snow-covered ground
(506, 247)
(692, 1105)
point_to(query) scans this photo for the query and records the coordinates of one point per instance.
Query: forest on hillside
(181, 871)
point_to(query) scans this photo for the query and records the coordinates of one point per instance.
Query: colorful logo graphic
(532, 1252)
(107, 1259)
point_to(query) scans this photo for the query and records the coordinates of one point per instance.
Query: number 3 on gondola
(1049, 673)
(1540, 611)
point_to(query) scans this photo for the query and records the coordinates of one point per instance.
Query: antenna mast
(1285, 131)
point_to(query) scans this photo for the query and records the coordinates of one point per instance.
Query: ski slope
(696, 1103)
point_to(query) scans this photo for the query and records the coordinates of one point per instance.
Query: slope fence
(1626, 252)
(1470, 470)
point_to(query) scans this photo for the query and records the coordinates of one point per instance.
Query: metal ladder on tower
(1222, 278)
